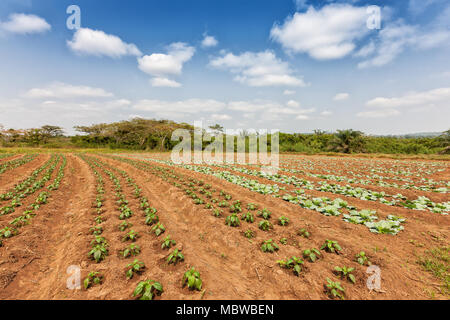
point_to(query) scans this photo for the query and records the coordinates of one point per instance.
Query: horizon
(295, 66)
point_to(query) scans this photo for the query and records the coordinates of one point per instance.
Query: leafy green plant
(158, 229)
(293, 263)
(131, 250)
(216, 212)
(304, 233)
(362, 258)
(147, 290)
(252, 206)
(334, 289)
(7, 232)
(283, 221)
(98, 252)
(175, 257)
(345, 273)
(168, 243)
(284, 241)
(232, 220)
(249, 234)
(269, 246)
(265, 225)
(92, 279)
(131, 236)
(97, 230)
(331, 246)
(135, 267)
(264, 213)
(192, 279)
(125, 225)
(248, 217)
(312, 254)
(151, 219)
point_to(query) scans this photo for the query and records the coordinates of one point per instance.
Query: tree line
(151, 134)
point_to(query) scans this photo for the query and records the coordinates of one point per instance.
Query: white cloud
(383, 113)
(328, 33)
(293, 104)
(288, 92)
(98, 43)
(251, 106)
(209, 41)
(413, 99)
(258, 69)
(395, 38)
(164, 82)
(25, 24)
(341, 96)
(59, 90)
(172, 108)
(302, 117)
(160, 65)
(326, 113)
(222, 117)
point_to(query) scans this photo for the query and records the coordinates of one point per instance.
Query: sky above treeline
(381, 67)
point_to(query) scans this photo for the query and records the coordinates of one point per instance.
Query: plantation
(139, 226)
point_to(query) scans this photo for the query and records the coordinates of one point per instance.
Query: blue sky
(273, 64)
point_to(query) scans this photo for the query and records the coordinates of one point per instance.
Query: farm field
(140, 226)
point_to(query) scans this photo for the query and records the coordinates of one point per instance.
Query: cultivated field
(316, 230)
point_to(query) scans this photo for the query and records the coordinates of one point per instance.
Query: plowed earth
(34, 263)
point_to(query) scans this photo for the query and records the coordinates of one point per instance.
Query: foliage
(335, 290)
(93, 278)
(269, 246)
(345, 273)
(192, 279)
(147, 290)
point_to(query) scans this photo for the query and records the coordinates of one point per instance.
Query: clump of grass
(436, 261)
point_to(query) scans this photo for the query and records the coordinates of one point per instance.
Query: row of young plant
(392, 224)
(5, 155)
(334, 289)
(24, 219)
(378, 180)
(421, 203)
(27, 188)
(15, 163)
(147, 289)
(396, 168)
(204, 194)
(26, 184)
(217, 201)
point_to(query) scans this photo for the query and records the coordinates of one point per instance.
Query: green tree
(348, 141)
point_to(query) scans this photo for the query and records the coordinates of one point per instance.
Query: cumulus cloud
(326, 113)
(98, 43)
(258, 69)
(164, 82)
(293, 104)
(395, 38)
(378, 113)
(413, 99)
(209, 41)
(61, 90)
(25, 24)
(382, 107)
(341, 96)
(328, 33)
(189, 106)
(220, 117)
(288, 92)
(160, 65)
